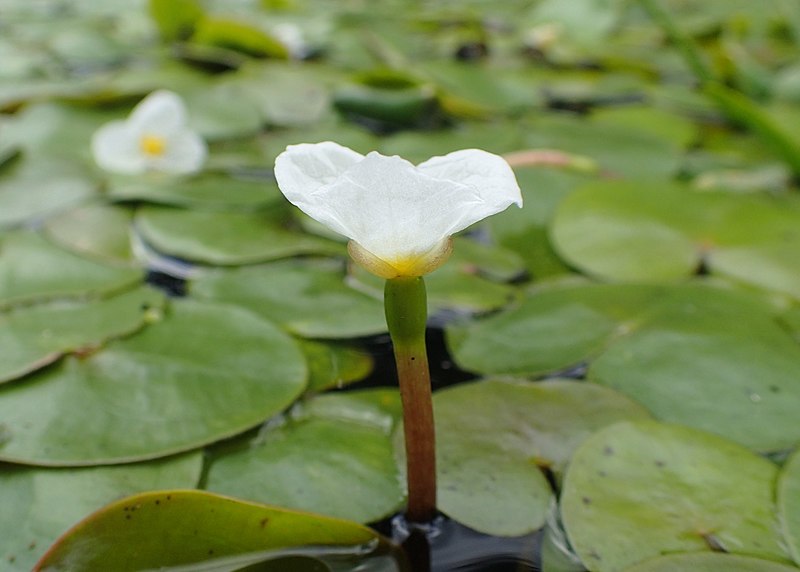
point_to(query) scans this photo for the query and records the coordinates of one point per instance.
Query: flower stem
(406, 307)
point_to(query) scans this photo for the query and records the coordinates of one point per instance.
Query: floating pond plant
(197, 371)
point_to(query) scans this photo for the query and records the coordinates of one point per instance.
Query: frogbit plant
(154, 137)
(400, 219)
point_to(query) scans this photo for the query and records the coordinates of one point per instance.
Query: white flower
(154, 137)
(399, 218)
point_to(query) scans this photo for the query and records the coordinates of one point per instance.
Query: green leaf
(625, 151)
(709, 563)
(40, 504)
(714, 364)
(207, 191)
(309, 297)
(547, 331)
(705, 355)
(175, 19)
(333, 456)
(35, 336)
(658, 231)
(185, 530)
(97, 230)
(297, 95)
(494, 435)
(749, 114)
(32, 269)
(34, 189)
(789, 504)
(239, 36)
(204, 373)
(636, 490)
(225, 238)
(333, 364)
(212, 115)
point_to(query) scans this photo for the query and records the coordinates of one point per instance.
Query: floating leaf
(175, 19)
(209, 191)
(334, 365)
(33, 269)
(713, 364)
(334, 456)
(309, 298)
(36, 336)
(239, 36)
(547, 331)
(655, 232)
(96, 230)
(225, 238)
(624, 151)
(212, 115)
(297, 95)
(31, 190)
(524, 231)
(40, 504)
(789, 504)
(636, 490)
(709, 563)
(707, 356)
(493, 435)
(205, 530)
(204, 373)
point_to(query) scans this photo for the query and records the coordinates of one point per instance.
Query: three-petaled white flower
(154, 137)
(399, 217)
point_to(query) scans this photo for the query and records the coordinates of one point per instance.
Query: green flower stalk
(405, 302)
(400, 218)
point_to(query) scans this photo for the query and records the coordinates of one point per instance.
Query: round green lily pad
(225, 238)
(40, 504)
(494, 435)
(624, 230)
(32, 189)
(181, 530)
(789, 504)
(624, 150)
(551, 329)
(309, 297)
(31, 269)
(35, 336)
(710, 563)
(212, 115)
(636, 490)
(731, 372)
(205, 372)
(207, 191)
(98, 231)
(333, 456)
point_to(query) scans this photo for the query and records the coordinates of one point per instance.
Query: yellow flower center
(152, 145)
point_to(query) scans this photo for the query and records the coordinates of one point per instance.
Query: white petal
(185, 153)
(115, 147)
(390, 208)
(162, 112)
(487, 173)
(302, 170)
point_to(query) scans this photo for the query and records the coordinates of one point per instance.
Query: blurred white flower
(154, 137)
(292, 38)
(399, 217)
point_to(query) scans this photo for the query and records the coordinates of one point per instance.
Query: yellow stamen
(152, 145)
